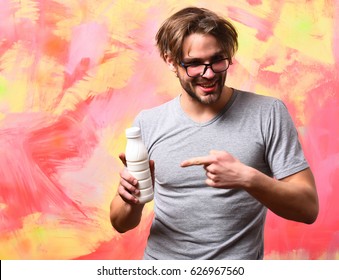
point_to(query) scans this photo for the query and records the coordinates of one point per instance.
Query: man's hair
(187, 21)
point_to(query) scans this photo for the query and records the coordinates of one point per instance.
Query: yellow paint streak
(251, 51)
(114, 138)
(27, 9)
(300, 254)
(113, 74)
(48, 83)
(16, 64)
(117, 15)
(33, 241)
(307, 30)
(292, 255)
(76, 13)
(3, 206)
(126, 15)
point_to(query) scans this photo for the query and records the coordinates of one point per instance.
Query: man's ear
(170, 63)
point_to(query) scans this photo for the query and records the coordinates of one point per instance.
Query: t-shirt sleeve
(283, 150)
(137, 121)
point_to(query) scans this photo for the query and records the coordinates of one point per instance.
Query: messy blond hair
(171, 35)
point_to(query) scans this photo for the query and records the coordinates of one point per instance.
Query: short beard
(208, 101)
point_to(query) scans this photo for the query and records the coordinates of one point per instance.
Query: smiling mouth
(208, 86)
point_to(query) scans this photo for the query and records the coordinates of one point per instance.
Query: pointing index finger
(196, 161)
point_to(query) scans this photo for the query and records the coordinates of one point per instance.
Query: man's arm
(294, 197)
(124, 216)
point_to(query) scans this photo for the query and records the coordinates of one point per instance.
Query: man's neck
(201, 113)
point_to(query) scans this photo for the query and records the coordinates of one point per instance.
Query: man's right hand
(128, 184)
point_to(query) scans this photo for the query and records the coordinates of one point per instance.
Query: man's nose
(209, 73)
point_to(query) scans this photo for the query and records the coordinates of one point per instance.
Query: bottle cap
(133, 132)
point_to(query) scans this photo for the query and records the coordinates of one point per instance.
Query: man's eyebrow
(188, 60)
(191, 60)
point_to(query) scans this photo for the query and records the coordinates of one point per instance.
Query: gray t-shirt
(193, 220)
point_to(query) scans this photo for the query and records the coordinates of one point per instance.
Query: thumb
(123, 158)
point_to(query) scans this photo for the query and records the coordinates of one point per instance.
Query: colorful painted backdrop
(73, 75)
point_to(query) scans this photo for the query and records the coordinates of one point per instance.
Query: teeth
(209, 85)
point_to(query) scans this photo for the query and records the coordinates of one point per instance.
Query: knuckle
(210, 175)
(210, 182)
(196, 161)
(122, 179)
(218, 157)
(125, 187)
(212, 169)
(214, 184)
(125, 176)
(121, 190)
(121, 173)
(123, 183)
(126, 196)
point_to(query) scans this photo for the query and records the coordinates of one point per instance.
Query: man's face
(199, 48)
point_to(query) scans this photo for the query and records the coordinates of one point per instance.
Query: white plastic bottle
(137, 160)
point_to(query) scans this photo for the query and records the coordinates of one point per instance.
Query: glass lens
(195, 70)
(219, 66)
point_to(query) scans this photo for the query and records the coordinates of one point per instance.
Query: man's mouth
(207, 87)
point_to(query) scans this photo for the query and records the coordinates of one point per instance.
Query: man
(222, 156)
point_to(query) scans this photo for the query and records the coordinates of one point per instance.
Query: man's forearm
(294, 198)
(125, 216)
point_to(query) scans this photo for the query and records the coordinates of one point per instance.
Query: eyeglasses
(195, 70)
